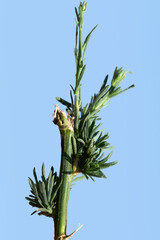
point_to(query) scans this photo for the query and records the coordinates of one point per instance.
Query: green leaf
(91, 178)
(33, 186)
(78, 179)
(106, 165)
(98, 174)
(86, 176)
(44, 194)
(103, 145)
(104, 83)
(43, 172)
(33, 204)
(101, 140)
(35, 191)
(81, 74)
(92, 125)
(108, 148)
(36, 179)
(101, 98)
(106, 158)
(90, 146)
(93, 168)
(64, 102)
(87, 40)
(77, 89)
(49, 180)
(50, 189)
(55, 191)
(95, 135)
(84, 110)
(74, 145)
(32, 196)
(94, 130)
(35, 175)
(77, 14)
(41, 199)
(114, 92)
(72, 104)
(30, 199)
(99, 155)
(75, 50)
(44, 210)
(85, 164)
(31, 183)
(72, 88)
(81, 141)
(127, 88)
(33, 212)
(37, 205)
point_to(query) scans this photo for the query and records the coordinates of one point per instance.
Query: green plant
(82, 143)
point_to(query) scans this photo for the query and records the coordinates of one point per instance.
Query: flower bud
(118, 76)
(84, 6)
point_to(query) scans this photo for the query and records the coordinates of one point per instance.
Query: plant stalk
(78, 68)
(66, 175)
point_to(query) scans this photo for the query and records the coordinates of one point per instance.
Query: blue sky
(37, 65)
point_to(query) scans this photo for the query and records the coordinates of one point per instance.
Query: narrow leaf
(95, 129)
(50, 189)
(32, 185)
(44, 194)
(104, 83)
(98, 174)
(82, 73)
(35, 175)
(74, 145)
(55, 191)
(49, 181)
(81, 141)
(106, 165)
(33, 212)
(72, 104)
(64, 102)
(43, 172)
(72, 88)
(87, 40)
(78, 179)
(127, 88)
(43, 210)
(106, 158)
(77, 14)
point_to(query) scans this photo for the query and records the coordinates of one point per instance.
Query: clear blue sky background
(36, 65)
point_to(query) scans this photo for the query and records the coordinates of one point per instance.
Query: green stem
(66, 175)
(66, 131)
(78, 69)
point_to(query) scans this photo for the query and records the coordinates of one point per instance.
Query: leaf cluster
(90, 146)
(89, 142)
(44, 192)
(103, 97)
